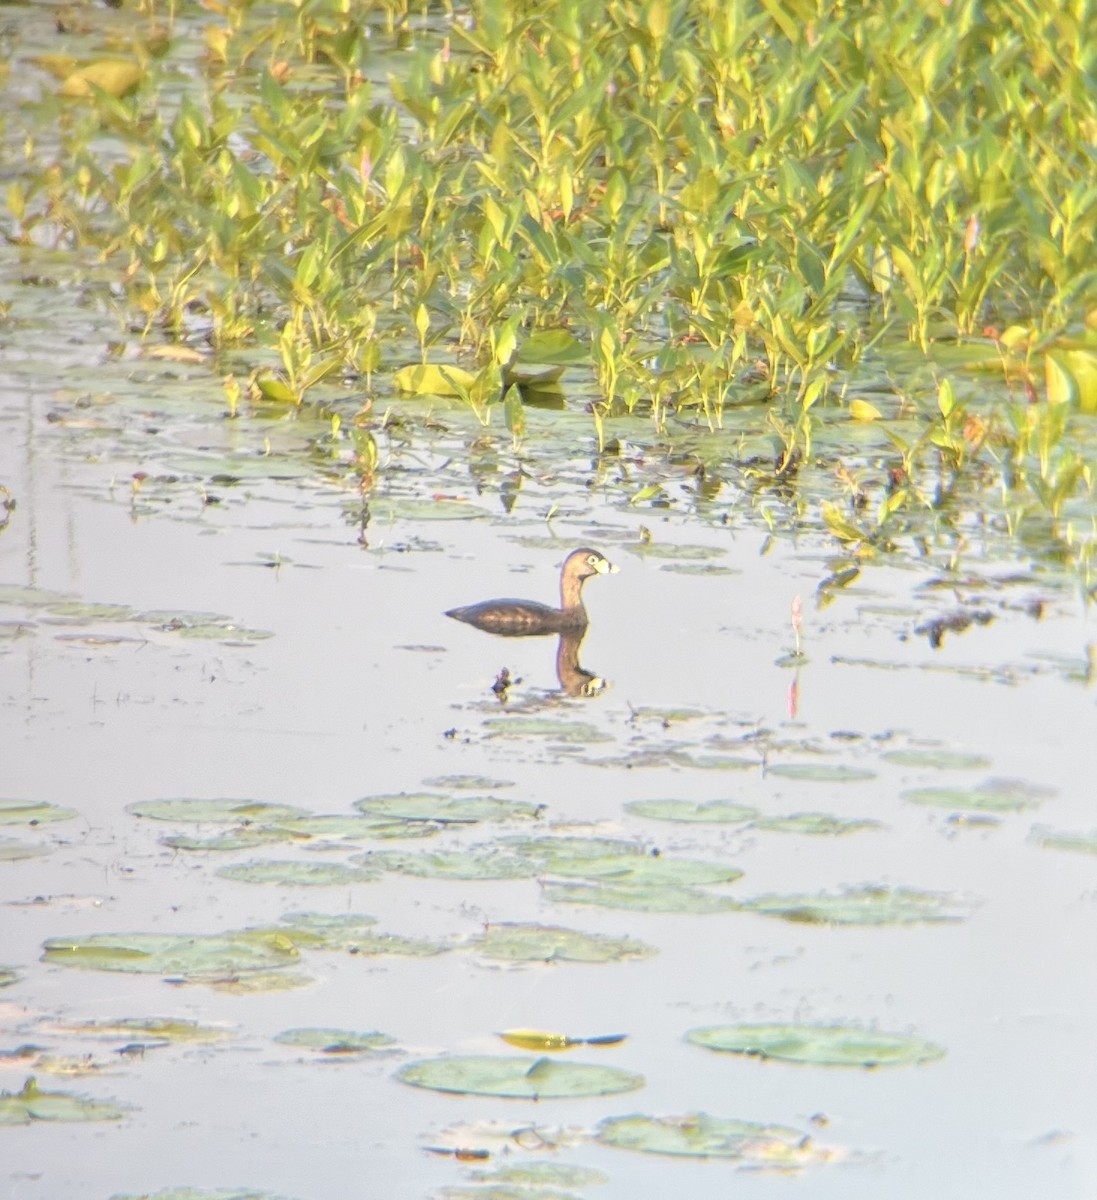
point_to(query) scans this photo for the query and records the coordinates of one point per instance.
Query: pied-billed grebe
(525, 618)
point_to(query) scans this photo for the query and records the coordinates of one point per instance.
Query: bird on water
(527, 618)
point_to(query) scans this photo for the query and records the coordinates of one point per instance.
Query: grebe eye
(592, 560)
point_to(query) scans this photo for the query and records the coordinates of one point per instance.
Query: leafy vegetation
(876, 221)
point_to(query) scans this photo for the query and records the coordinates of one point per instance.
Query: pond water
(331, 674)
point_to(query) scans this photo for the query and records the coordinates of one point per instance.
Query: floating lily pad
(996, 795)
(541, 1174)
(724, 812)
(33, 812)
(477, 862)
(460, 809)
(519, 1078)
(165, 1029)
(553, 943)
(197, 956)
(31, 597)
(296, 874)
(1081, 843)
(226, 812)
(639, 897)
(12, 850)
(33, 1104)
(469, 783)
(81, 611)
(8, 976)
(697, 1135)
(335, 1041)
(937, 759)
(349, 932)
(547, 849)
(862, 906)
(354, 829)
(568, 732)
(246, 838)
(825, 1045)
(820, 772)
(646, 870)
(216, 632)
(816, 824)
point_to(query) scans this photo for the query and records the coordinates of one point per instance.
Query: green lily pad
(861, 906)
(194, 957)
(33, 812)
(554, 943)
(12, 850)
(639, 897)
(459, 809)
(31, 597)
(634, 870)
(820, 772)
(469, 783)
(825, 1045)
(33, 1104)
(816, 824)
(351, 933)
(217, 632)
(165, 1029)
(697, 1135)
(570, 733)
(519, 1078)
(996, 795)
(547, 849)
(1081, 843)
(540, 1174)
(553, 346)
(354, 829)
(225, 812)
(724, 812)
(8, 976)
(477, 862)
(248, 837)
(296, 874)
(335, 1041)
(937, 759)
(79, 610)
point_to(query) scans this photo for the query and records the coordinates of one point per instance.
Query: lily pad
(164, 1029)
(519, 1078)
(189, 1193)
(249, 837)
(8, 976)
(996, 795)
(639, 897)
(296, 874)
(469, 783)
(354, 829)
(697, 1135)
(816, 824)
(33, 1104)
(33, 812)
(540, 1174)
(194, 957)
(646, 870)
(571, 733)
(937, 759)
(554, 943)
(352, 933)
(547, 849)
(12, 850)
(824, 1045)
(335, 1041)
(724, 812)
(672, 553)
(861, 906)
(457, 809)
(1081, 843)
(477, 862)
(226, 812)
(820, 772)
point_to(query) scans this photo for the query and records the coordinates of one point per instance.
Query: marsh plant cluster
(708, 214)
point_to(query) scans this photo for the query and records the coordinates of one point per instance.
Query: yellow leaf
(1060, 386)
(174, 353)
(431, 380)
(536, 1039)
(116, 77)
(861, 410)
